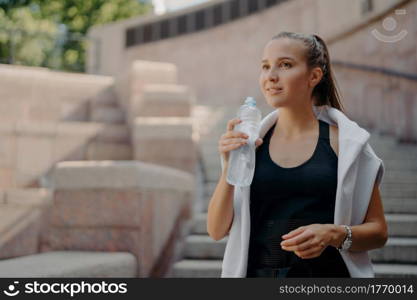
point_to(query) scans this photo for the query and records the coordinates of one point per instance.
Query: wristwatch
(348, 240)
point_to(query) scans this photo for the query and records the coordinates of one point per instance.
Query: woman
(306, 213)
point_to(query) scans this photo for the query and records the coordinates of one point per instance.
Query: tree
(53, 32)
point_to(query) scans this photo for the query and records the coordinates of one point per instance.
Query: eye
(285, 65)
(264, 66)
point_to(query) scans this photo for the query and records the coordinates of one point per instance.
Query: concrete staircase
(202, 256)
(22, 209)
(70, 264)
(113, 142)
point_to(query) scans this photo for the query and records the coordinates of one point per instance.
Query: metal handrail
(375, 69)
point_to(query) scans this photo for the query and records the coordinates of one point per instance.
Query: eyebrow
(279, 58)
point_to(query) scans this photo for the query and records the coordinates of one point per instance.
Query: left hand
(308, 241)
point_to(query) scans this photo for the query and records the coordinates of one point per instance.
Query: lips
(274, 90)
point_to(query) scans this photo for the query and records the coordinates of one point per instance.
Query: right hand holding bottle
(233, 139)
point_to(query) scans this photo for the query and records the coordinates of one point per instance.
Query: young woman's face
(284, 73)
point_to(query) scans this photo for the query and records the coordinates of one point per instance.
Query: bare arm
(372, 234)
(220, 209)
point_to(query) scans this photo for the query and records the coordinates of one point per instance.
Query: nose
(272, 75)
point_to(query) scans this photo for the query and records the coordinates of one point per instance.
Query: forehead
(284, 47)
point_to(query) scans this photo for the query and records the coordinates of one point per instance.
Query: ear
(315, 76)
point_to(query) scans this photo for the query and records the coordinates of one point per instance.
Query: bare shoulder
(334, 138)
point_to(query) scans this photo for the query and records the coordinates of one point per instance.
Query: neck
(295, 122)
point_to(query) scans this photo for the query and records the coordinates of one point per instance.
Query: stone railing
(119, 206)
(39, 94)
(21, 215)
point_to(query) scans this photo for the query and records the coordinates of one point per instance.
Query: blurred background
(111, 111)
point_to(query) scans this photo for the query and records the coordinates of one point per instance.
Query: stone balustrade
(39, 94)
(126, 206)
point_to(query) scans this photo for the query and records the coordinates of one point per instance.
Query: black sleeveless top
(283, 199)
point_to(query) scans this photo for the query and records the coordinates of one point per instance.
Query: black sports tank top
(283, 199)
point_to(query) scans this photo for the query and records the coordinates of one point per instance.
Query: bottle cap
(250, 101)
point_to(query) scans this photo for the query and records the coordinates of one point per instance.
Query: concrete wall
(384, 100)
(222, 63)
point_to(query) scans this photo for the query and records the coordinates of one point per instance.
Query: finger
(311, 253)
(231, 124)
(235, 134)
(301, 238)
(314, 248)
(294, 232)
(300, 247)
(258, 142)
(226, 142)
(230, 147)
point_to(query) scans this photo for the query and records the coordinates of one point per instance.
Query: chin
(276, 102)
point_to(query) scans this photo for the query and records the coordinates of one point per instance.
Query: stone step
(396, 250)
(395, 270)
(402, 225)
(389, 185)
(114, 133)
(213, 173)
(210, 152)
(380, 146)
(410, 192)
(387, 144)
(20, 226)
(204, 247)
(377, 140)
(209, 187)
(36, 197)
(200, 224)
(70, 264)
(400, 205)
(109, 151)
(400, 164)
(388, 179)
(195, 268)
(404, 176)
(108, 114)
(105, 98)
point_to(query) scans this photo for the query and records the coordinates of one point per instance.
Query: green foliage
(52, 33)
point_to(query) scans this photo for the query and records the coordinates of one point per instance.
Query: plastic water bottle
(242, 160)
